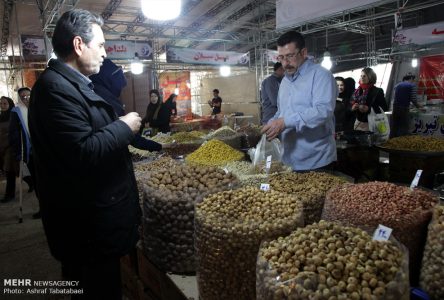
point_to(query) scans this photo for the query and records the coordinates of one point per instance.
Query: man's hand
(273, 128)
(133, 121)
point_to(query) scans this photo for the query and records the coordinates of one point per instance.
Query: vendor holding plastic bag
(306, 103)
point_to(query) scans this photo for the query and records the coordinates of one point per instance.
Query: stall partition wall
(135, 95)
(238, 94)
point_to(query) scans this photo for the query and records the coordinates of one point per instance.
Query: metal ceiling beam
(7, 10)
(110, 9)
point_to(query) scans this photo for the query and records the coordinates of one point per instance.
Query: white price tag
(226, 170)
(416, 179)
(265, 187)
(382, 233)
(268, 162)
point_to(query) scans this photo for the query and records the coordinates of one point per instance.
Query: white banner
(33, 46)
(127, 50)
(271, 55)
(197, 56)
(421, 35)
(292, 13)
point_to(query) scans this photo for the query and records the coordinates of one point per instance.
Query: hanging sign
(32, 46)
(127, 50)
(431, 76)
(198, 56)
(271, 55)
(421, 35)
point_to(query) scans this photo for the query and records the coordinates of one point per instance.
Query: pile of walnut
(229, 227)
(329, 261)
(310, 187)
(432, 276)
(168, 224)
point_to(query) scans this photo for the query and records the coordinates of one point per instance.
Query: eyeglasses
(25, 97)
(287, 57)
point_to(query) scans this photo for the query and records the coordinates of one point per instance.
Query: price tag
(226, 170)
(265, 187)
(416, 179)
(382, 233)
(268, 162)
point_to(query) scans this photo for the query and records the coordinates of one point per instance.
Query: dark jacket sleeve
(145, 144)
(379, 101)
(71, 129)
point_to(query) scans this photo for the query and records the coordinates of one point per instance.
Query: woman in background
(7, 161)
(367, 96)
(171, 104)
(157, 115)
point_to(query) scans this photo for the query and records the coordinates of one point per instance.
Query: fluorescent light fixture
(326, 62)
(225, 71)
(161, 10)
(136, 65)
(414, 61)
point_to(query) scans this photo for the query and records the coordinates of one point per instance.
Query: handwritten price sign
(265, 187)
(382, 233)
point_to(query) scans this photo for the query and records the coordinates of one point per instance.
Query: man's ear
(78, 45)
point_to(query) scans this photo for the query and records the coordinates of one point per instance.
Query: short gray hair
(75, 22)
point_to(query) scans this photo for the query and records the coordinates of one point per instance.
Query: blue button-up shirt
(306, 101)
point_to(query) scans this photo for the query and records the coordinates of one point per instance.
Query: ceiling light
(136, 65)
(326, 61)
(225, 71)
(414, 61)
(161, 10)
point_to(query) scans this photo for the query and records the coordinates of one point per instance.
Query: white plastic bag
(265, 149)
(379, 124)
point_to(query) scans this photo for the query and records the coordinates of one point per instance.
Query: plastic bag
(379, 124)
(265, 149)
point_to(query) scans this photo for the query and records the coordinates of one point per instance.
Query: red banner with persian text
(179, 84)
(431, 76)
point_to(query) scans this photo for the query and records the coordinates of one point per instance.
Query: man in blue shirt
(405, 92)
(306, 103)
(269, 92)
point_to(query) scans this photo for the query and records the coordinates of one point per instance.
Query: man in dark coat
(87, 189)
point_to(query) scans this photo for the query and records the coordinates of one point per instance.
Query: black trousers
(99, 278)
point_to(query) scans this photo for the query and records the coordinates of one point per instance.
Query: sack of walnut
(168, 212)
(229, 227)
(432, 276)
(310, 187)
(406, 211)
(330, 261)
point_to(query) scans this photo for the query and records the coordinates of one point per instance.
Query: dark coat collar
(70, 75)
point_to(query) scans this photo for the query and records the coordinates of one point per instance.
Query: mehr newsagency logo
(13, 286)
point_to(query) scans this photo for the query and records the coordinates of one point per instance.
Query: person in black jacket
(365, 97)
(157, 115)
(8, 162)
(85, 178)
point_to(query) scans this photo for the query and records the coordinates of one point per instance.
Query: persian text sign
(421, 35)
(127, 50)
(196, 56)
(33, 46)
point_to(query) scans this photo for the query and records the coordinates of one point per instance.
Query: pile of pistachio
(432, 271)
(229, 227)
(330, 261)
